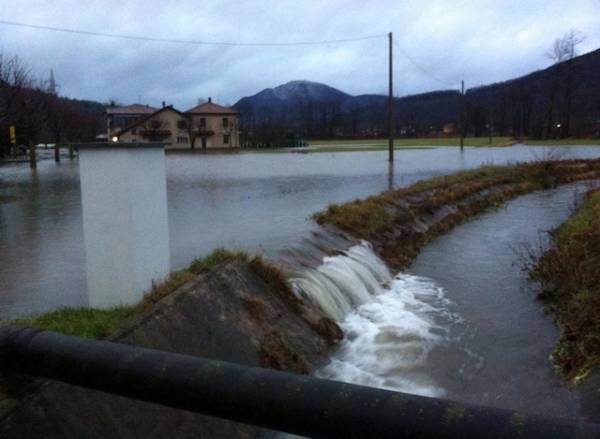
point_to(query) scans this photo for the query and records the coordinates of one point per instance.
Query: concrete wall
(229, 314)
(125, 222)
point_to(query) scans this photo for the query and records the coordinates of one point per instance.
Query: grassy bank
(570, 277)
(353, 145)
(100, 323)
(400, 222)
(563, 142)
(401, 143)
(418, 143)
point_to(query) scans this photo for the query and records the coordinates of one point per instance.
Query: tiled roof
(131, 109)
(211, 108)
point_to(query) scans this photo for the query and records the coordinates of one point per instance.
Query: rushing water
(255, 202)
(463, 323)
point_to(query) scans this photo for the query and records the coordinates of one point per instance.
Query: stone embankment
(240, 311)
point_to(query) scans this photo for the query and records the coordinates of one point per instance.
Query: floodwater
(462, 323)
(255, 202)
(498, 351)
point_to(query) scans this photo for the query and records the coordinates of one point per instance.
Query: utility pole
(462, 115)
(391, 107)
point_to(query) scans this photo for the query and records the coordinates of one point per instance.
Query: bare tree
(191, 128)
(562, 53)
(59, 117)
(15, 81)
(565, 48)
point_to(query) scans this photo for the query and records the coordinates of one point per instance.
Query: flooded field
(256, 202)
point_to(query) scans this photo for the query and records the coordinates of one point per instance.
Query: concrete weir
(125, 223)
(229, 314)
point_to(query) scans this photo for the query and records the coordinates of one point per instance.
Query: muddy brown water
(255, 202)
(496, 348)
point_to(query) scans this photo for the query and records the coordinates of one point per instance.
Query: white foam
(390, 325)
(388, 340)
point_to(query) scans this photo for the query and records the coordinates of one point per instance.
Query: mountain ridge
(528, 105)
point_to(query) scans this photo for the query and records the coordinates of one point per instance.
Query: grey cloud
(479, 41)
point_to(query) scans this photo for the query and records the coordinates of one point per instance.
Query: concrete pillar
(125, 223)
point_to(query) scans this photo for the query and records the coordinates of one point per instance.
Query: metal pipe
(266, 398)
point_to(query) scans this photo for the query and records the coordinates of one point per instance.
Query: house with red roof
(207, 125)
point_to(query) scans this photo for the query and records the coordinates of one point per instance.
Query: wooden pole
(462, 115)
(390, 106)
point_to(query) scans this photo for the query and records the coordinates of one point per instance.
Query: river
(255, 202)
(462, 323)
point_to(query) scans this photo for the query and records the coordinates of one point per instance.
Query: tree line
(558, 102)
(38, 114)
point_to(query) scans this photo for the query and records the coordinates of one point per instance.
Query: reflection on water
(257, 202)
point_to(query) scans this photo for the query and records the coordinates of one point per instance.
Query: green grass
(584, 218)
(417, 143)
(322, 149)
(369, 144)
(565, 142)
(355, 145)
(570, 277)
(391, 220)
(83, 322)
(100, 323)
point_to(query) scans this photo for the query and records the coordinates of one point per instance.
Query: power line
(421, 68)
(194, 42)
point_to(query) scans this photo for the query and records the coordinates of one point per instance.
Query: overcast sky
(481, 41)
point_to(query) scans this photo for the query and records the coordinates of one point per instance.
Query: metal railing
(275, 400)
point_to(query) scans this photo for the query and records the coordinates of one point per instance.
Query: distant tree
(59, 118)
(31, 114)
(565, 47)
(192, 129)
(15, 81)
(562, 53)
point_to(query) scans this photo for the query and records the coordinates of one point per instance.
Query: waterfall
(391, 323)
(343, 282)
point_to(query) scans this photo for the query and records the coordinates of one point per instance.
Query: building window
(133, 140)
(225, 122)
(182, 139)
(226, 139)
(203, 122)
